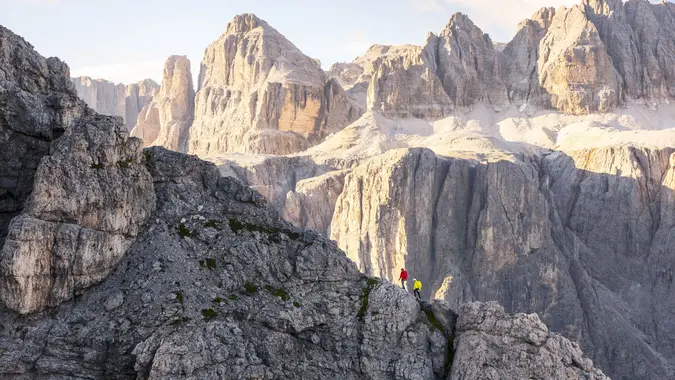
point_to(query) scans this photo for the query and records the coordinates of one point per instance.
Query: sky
(126, 41)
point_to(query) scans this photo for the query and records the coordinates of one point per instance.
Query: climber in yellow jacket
(417, 287)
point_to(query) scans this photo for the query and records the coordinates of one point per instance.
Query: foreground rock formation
(166, 121)
(112, 99)
(88, 197)
(37, 105)
(215, 285)
(259, 94)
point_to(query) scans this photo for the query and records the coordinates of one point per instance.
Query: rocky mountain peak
(258, 93)
(460, 21)
(603, 6)
(543, 18)
(245, 23)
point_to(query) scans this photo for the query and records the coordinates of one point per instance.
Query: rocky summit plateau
(252, 225)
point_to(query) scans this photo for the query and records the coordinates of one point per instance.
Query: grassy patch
(218, 300)
(449, 354)
(250, 288)
(215, 224)
(123, 164)
(209, 314)
(179, 296)
(97, 166)
(208, 263)
(278, 292)
(237, 225)
(431, 318)
(179, 321)
(297, 304)
(183, 231)
(148, 155)
(371, 283)
(233, 297)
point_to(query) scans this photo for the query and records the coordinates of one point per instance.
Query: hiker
(417, 286)
(403, 277)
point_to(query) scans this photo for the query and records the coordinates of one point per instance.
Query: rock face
(112, 99)
(312, 203)
(271, 176)
(535, 234)
(36, 106)
(492, 345)
(166, 121)
(259, 94)
(88, 195)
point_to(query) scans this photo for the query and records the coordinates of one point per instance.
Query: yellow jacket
(417, 285)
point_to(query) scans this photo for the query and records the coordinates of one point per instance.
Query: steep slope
(166, 121)
(112, 99)
(259, 94)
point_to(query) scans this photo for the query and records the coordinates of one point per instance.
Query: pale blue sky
(128, 40)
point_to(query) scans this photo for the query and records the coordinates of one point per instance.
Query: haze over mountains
(538, 174)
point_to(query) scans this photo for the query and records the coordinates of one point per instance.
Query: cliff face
(29, 120)
(579, 238)
(166, 121)
(259, 94)
(112, 99)
(592, 57)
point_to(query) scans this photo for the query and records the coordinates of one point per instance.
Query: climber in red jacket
(403, 277)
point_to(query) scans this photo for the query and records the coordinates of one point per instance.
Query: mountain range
(538, 174)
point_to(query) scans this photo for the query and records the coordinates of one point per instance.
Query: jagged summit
(244, 23)
(258, 93)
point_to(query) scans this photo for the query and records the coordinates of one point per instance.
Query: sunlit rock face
(166, 121)
(112, 99)
(259, 94)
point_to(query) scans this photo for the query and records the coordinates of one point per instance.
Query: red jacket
(404, 276)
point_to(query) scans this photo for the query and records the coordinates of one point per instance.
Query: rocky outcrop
(90, 198)
(36, 106)
(406, 85)
(468, 64)
(259, 94)
(88, 193)
(167, 120)
(493, 345)
(312, 203)
(112, 99)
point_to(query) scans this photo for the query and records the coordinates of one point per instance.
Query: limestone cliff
(112, 99)
(259, 94)
(166, 121)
